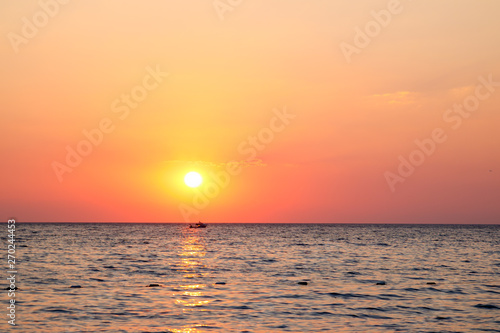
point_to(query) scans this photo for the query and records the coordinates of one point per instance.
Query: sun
(193, 179)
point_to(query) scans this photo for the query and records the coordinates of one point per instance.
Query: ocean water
(245, 278)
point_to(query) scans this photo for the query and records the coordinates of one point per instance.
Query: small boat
(198, 225)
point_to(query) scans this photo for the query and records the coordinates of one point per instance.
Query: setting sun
(193, 179)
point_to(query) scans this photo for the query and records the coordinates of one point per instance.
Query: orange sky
(175, 86)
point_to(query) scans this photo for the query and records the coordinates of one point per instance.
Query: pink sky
(316, 102)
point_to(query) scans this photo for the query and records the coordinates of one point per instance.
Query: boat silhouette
(198, 225)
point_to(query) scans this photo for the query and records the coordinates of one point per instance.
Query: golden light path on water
(190, 296)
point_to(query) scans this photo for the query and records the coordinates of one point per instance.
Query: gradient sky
(229, 72)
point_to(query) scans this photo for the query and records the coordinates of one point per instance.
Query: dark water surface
(361, 278)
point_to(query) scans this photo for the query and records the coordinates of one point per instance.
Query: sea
(254, 278)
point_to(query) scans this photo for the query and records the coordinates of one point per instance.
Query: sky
(293, 111)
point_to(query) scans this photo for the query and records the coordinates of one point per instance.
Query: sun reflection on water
(191, 295)
(185, 330)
